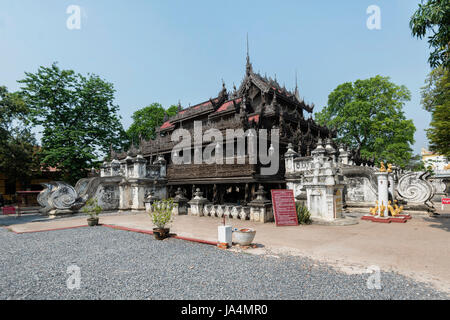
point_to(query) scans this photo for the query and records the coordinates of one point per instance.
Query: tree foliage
(436, 99)
(80, 122)
(415, 163)
(434, 17)
(147, 119)
(368, 115)
(17, 142)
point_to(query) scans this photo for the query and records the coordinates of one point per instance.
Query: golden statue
(389, 169)
(396, 210)
(382, 208)
(382, 167)
(374, 211)
(391, 209)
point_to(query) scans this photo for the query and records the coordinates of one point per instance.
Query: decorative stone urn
(261, 208)
(149, 201)
(197, 203)
(181, 201)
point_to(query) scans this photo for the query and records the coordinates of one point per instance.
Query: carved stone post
(124, 198)
(261, 208)
(115, 168)
(139, 167)
(162, 169)
(149, 201)
(343, 155)
(181, 201)
(197, 203)
(289, 159)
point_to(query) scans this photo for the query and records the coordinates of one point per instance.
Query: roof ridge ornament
(248, 67)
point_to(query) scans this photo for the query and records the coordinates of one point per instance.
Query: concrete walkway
(419, 248)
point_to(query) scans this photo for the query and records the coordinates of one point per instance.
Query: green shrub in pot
(92, 209)
(161, 215)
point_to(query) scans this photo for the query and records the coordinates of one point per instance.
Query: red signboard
(284, 208)
(445, 200)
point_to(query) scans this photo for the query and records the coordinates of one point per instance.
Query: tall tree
(434, 17)
(436, 99)
(78, 116)
(17, 143)
(368, 115)
(147, 119)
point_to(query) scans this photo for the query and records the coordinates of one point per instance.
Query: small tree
(92, 208)
(162, 212)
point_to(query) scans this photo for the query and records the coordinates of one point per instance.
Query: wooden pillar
(246, 193)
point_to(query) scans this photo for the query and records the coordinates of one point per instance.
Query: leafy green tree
(147, 119)
(17, 143)
(80, 122)
(415, 163)
(434, 17)
(368, 115)
(436, 99)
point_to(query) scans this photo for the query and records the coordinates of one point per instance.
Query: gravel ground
(118, 264)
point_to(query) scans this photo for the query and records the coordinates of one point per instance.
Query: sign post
(284, 208)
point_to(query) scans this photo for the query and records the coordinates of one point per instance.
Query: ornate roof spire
(248, 67)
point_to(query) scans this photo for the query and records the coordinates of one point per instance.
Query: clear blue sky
(165, 51)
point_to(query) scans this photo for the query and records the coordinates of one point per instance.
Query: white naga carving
(414, 188)
(59, 195)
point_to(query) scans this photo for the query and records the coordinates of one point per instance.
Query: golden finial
(382, 167)
(389, 167)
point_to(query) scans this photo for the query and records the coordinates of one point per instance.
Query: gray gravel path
(118, 264)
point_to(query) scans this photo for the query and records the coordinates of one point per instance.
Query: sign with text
(445, 200)
(284, 208)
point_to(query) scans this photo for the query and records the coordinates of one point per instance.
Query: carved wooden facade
(258, 103)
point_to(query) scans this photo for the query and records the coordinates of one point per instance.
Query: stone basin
(244, 237)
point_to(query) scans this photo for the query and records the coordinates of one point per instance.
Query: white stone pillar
(138, 197)
(383, 195)
(139, 166)
(162, 169)
(289, 159)
(124, 196)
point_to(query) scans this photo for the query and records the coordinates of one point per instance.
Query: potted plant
(93, 210)
(161, 214)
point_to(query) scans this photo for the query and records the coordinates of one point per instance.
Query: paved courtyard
(118, 264)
